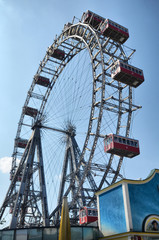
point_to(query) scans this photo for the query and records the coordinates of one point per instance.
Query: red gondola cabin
(121, 146)
(30, 111)
(115, 31)
(93, 19)
(88, 215)
(67, 25)
(19, 178)
(21, 143)
(43, 81)
(11, 210)
(56, 53)
(127, 74)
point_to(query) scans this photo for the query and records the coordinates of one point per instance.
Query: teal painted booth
(130, 206)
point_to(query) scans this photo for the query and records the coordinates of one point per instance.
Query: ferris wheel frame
(103, 53)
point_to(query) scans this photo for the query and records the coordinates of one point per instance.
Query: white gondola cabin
(43, 81)
(115, 31)
(121, 146)
(56, 53)
(127, 74)
(93, 19)
(32, 112)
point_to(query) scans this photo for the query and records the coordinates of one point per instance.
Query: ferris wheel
(72, 105)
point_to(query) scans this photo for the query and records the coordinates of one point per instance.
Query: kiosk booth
(129, 209)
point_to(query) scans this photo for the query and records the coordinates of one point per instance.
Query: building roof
(149, 177)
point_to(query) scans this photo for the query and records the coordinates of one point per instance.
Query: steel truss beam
(26, 198)
(71, 162)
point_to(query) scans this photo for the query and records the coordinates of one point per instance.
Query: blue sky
(28, 27)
